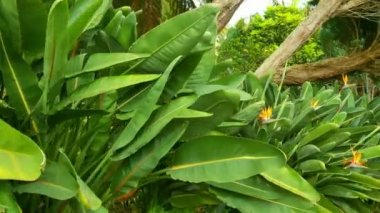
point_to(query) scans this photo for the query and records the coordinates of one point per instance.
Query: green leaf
(370, 152)
(191, 200)
(55, 182)
(174, 37)
(103, 85)
(21, 84)
(100, 61)
(20, 157)
(253, 186)
(339, 118)
(75, 65)
(85, 195)
(325, 205)
(145, 160)
(307, 151)
(56, 50)
(9, 25)
(250, 113)
(202, 72)
(8, 203)
(332, 141)
(312, 166)
(144, 108)
(258, 188)
(163, 116)
(33, 35)
(128, 32)
(318, 132)
(190, 113)
(250, 204)
(236, 158)
(290, 180)
(365, 180)
(181, 74)
(123, 27)
(339, 191)
(222, 104)
(355, 131)
(82, 16)
(307, 93)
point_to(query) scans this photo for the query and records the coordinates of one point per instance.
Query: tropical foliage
(94, 118)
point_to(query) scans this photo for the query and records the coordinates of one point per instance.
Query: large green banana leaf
(174, 37)
(20, 157)
(223, 159)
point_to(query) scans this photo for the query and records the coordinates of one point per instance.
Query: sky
(250, 7)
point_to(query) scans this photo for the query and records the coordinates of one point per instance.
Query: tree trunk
(323, 12)
(367, 61)
(228, 9)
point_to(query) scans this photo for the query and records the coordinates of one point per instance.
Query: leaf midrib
(190, 165)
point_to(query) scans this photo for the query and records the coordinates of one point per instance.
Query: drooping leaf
(20, 157)
(173, 38)
(103, 85)
(258, 188)
(253, 186)
(236, 158)
(250, 204)
(55, 182)
(164, 115)
(275, 197)
(144, 109)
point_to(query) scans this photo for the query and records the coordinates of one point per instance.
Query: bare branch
(228, 8)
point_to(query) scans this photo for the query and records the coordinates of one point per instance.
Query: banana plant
(90, 113)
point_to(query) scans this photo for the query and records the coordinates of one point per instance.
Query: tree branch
(228, 8)
(366, 61)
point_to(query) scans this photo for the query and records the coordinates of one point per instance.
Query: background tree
(250, 44)
(322, 13)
